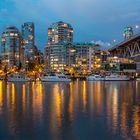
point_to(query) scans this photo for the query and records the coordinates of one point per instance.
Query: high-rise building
(38, 56)
(59, 56)
(128, 32)
(79, 56)
(60, 32)
(58, 52)
(12, 51)
(28, 33)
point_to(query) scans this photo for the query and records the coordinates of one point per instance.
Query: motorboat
(95, 77)
(138, 79)
(18, 78)
(55, 78)
(116, 77)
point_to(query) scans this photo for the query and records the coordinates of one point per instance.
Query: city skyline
(69, 69)
(91, 20)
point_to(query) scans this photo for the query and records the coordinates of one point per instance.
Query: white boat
(17, 78)
(95, 77)
(55, 78)
(138, 79)
(116, 77)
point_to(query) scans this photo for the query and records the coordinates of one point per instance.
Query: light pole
(137, 28)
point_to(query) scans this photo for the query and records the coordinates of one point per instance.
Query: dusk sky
(99, 20)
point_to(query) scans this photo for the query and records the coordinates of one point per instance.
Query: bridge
(127, 49)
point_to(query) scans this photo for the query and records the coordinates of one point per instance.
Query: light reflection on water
(78, 110)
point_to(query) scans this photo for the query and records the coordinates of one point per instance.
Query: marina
(60, 77)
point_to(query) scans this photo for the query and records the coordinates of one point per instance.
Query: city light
(137, 26)
(60, 56)
(114, 40)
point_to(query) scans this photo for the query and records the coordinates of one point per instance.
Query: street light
(114, 40)
(137, 26)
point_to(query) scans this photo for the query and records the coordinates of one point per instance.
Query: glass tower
(60, 32)
(29, 39)
(11, 47)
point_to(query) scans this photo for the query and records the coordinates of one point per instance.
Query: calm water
(77, 111)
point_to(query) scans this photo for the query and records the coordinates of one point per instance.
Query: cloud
(104, 45)
(98, 19)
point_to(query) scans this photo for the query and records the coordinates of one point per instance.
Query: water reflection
(77, 110)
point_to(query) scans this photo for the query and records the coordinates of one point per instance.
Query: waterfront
(77, 110)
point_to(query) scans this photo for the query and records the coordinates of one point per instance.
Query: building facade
(12, 50)
(60, 32)
(80, 57)
(28, 34)
(115, 64)
(59, 56)
(87, 56)
(38, 56)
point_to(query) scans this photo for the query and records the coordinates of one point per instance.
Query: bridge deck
(126, 42)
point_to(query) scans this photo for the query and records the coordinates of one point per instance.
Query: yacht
(116, 77)
(18, 78)
(55, 78)
(138, 79)
(95, 77)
